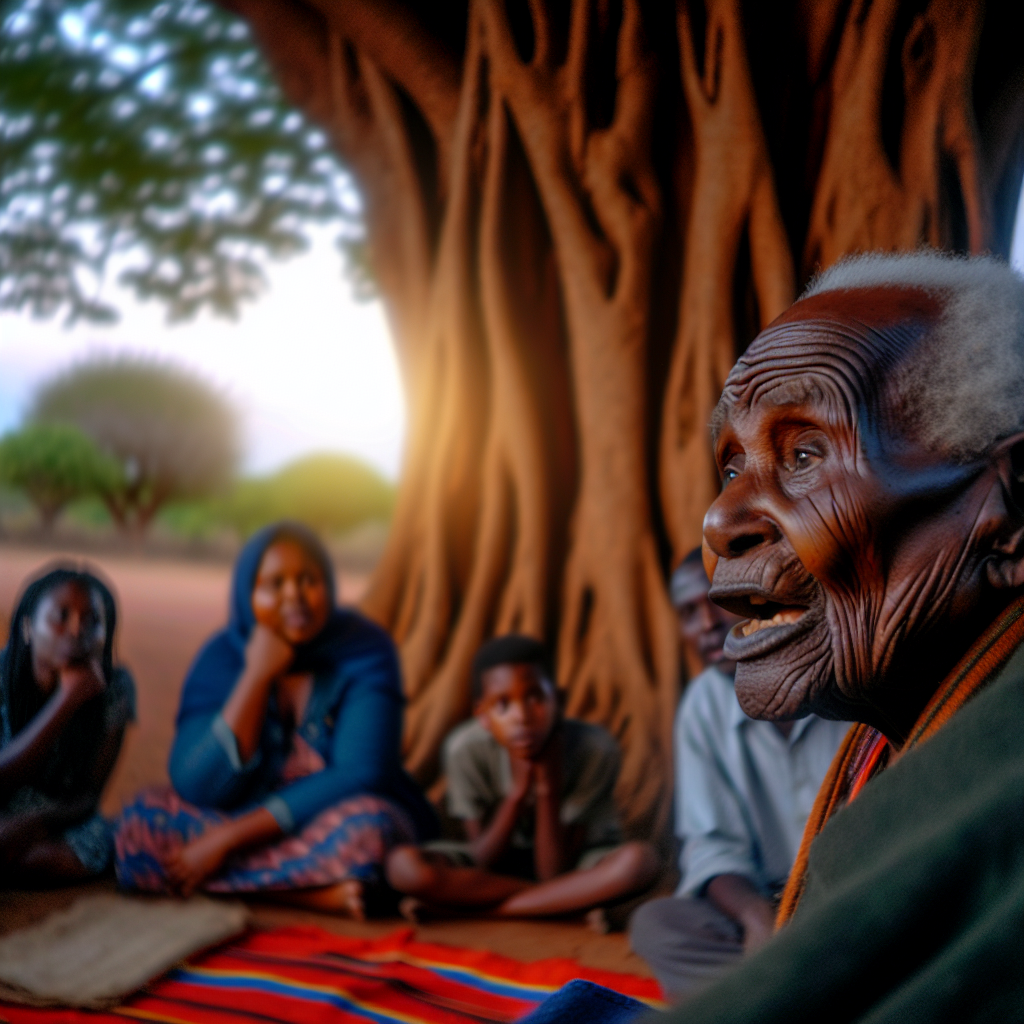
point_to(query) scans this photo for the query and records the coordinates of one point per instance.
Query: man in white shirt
(744, 789)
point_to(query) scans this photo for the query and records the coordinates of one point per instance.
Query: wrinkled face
(703, 625)
(518, 708)
(291, 596)
(68, 627)
(853, 556)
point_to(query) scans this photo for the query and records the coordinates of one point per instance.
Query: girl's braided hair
(18, 690)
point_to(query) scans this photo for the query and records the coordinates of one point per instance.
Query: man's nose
(735, 525)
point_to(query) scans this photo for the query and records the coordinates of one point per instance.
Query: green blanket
(914, 906)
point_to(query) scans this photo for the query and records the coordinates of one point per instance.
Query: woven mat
(103, 948)
(302, 974)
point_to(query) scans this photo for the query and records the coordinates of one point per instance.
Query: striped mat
(307, 975)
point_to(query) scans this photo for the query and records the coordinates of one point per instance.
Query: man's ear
(1005, 567)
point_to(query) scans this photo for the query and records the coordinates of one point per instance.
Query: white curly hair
(961, 390)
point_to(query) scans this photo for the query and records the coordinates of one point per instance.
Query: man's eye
(802, 459)
(729, 474)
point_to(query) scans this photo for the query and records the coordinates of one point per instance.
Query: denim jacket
(353, 720)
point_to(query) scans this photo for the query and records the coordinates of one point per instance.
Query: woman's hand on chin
(267, 653)
(192, 864)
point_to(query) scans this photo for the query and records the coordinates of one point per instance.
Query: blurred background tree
(171, 434)
(54, 464)
(150, 139)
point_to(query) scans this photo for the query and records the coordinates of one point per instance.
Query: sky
(309, 367)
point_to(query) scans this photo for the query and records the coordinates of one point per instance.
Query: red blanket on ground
(308, 975)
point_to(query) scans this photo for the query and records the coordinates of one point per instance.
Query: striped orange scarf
(865, 751)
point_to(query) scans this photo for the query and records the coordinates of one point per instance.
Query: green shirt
(914, 905)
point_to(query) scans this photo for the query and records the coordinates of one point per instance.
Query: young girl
(63, 711)
(285, 764)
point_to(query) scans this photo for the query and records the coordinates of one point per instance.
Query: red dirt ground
(167, 609)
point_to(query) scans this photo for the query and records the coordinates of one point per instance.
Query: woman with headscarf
(64, 706)
(285, 763)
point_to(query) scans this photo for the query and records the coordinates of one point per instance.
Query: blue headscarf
(220, 663)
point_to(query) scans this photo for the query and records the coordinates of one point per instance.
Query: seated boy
(534, 791)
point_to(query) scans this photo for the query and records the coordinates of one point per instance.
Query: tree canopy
(150, 139)
(53, 464)
(171, 434)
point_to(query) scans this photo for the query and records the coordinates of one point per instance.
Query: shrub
(54, 464)
(331, 493)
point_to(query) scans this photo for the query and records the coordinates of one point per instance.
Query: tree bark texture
(579, 214)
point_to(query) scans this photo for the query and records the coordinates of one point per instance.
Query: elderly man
(870, 530)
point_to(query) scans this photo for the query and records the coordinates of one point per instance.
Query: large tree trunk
(579, 213)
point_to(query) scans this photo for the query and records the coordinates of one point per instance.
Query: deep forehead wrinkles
(839, 365)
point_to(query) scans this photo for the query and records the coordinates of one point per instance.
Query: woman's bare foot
(343, 898)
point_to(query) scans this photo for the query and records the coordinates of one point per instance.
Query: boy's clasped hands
(534, 792)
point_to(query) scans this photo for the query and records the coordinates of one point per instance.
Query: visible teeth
(780, 618)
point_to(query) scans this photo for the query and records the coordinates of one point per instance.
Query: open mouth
(768, 624)
(785, 616)
(296, 620)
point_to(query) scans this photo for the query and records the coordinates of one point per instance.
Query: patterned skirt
(347, 840)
